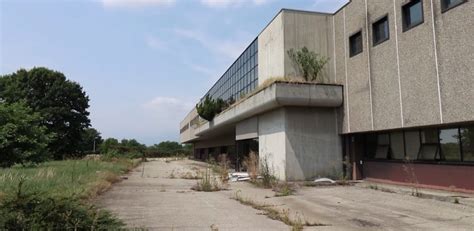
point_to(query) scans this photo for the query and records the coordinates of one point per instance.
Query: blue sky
(143, 63)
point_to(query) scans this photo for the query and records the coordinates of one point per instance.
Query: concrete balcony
(279, 94)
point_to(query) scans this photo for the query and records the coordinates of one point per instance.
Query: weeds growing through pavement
(207, 183)
(271, 212)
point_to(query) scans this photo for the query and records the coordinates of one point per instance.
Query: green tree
(209, 108)
(91, 140)
(168, 148)
(61, 103)
(308, 63)
(108, 145)
(22, 137)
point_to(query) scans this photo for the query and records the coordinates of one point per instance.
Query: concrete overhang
(278, 94)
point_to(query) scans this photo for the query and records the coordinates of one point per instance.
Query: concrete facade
(417, 78)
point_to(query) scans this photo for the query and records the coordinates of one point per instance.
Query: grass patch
(296, 223)
(207, 183)
(283, 189)
(82, 179)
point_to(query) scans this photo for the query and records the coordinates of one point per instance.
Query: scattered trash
(239, 176)
(324, 180)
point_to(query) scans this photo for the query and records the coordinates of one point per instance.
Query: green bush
(35, 212)
(209, 108)
(308, 63)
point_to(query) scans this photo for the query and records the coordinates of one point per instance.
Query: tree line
(44, 116)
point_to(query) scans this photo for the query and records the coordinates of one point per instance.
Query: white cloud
(137, 3)
(168, 105)
(155, 43)
(231, 3)
(231, 48)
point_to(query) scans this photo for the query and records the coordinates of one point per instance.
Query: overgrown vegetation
(207, 183)
(209, 108)
(308, 63)
(283, 215)
(70, 178)
(32, 211)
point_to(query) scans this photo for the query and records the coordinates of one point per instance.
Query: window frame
(351, 53)
(378, 21)
(403, 13)
(445, 8)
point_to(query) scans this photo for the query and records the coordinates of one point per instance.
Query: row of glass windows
(412, 16)
(241, 77)
(450, 144)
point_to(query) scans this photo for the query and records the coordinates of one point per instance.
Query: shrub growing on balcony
(209, 108)
(308, 63)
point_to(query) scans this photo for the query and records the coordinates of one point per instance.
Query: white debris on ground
(239, 176)
(324, 180)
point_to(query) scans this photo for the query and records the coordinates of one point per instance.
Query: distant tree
(169, 148)
(62, 105)
(91, 139)
(22, 137)
(308, 63)
(108, 145)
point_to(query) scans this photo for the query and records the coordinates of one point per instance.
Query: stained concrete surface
(153, 200)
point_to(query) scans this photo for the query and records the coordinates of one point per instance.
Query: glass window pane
(449, 142)
(383, 141)
(397, 146)
(429, 148)
(416, 13)
(467, 140)
(412, 142)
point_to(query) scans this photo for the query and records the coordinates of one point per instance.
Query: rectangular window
(449, 143)
(380, 31)
(383, 146)
(412, 14)
(429, 144)
(412, 144)
(397, 146)
(467, 141)
(449, 4)
(355, 44)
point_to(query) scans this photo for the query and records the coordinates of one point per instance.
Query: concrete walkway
(155, 200)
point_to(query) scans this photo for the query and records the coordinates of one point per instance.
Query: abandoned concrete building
(396, 103)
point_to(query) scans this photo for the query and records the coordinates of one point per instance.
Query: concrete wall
(271, 51)
(300, 143)
(306, 29)
(292, 29)
(246, 129)
(422, 76)
(454, 41)
(272, 140)
(188, 134)
(218, 141)
(313, 146)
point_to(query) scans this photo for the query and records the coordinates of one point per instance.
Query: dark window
(383, 146)
(429, 144)
(412, 144)
(449, 4)
(355, 44)
(397, 146)
(449, 143)
(412, 14)
(380, 31)
(467, 141)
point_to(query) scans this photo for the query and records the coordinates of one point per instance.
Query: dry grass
(84, 179)
(207, 183)
(283, 189)
(251, 164)
(296, 222)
